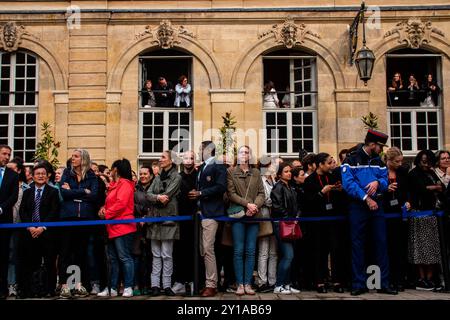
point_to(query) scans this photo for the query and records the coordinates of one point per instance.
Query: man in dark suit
(40, 203)
(211, 186)
(9, 191)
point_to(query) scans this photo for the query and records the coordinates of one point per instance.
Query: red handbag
(290, 230)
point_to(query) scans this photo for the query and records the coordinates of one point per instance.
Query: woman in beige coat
(245, 188)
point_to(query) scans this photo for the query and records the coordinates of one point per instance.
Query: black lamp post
(364, 57)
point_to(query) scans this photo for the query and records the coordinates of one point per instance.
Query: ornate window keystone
(414, 32)
(289, 34)
(165, 35)
(11, 36)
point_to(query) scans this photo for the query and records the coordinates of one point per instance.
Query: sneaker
(12, 290)
(178, 288)
(424, 285)
(281, 290)
(95, 289)
(65, 293)
(265, 288)
(127, 292)
(104, 293)
(137, 292)
(249, 290)
(81, 292)
(230, 290)
(240, 290)
(292, 289)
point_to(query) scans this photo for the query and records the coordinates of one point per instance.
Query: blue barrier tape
(405, 215)
(91, 222)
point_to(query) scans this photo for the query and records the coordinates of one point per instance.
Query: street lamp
(365, 57)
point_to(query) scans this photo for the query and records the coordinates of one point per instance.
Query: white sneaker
(292, 289)
(127, 292)
(12, 290)
(107, 293)
(281, 290)
(104, 293)
(178, 288)
(95, 289)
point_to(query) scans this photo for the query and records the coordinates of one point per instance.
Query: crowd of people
(164, 95)
(241, 256)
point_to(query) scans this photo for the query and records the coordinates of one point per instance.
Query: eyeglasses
(446, 158)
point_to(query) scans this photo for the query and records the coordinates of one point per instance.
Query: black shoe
(338, 289)
(424, 285)
(321, 289)
(387, 291)
(265, 288)
(155, 292)
(168, 292)
(400, 288)
(357, 292)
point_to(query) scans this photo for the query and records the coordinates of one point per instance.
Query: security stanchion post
(197, 225)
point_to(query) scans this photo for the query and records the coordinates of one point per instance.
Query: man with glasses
(164, 93)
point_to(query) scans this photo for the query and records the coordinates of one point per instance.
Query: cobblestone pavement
(305, 295)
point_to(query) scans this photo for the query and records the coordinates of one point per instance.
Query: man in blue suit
(365, 178)
(9, 192)
(211, 186)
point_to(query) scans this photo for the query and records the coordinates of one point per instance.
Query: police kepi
(365, 178)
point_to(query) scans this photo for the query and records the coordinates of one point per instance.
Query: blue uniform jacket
(358, 170)
(212, 183)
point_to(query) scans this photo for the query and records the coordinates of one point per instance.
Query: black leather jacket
(284, 201)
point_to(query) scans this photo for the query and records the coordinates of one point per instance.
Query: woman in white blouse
(183, 93)
(270, 96)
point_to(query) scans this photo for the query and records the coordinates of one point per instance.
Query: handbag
(236, 211)
(290, 230)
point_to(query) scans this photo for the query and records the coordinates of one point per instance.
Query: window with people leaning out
(289, 102)
(166, 80)
(165, 102)
(414, 99)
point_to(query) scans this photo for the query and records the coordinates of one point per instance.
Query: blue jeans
(244, 239)
(286, 250)
(120, 249)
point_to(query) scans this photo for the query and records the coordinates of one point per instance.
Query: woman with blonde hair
(245, 190)
(397, 231)
(79, 188)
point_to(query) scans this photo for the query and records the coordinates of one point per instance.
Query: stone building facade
(81, 65)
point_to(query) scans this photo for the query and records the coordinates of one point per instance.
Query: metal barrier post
(197, 225)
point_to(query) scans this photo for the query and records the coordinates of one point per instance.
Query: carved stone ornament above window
(414, 33)
(165, 35)
(11, 36)
(289, 34)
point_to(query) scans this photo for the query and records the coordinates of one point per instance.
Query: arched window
(289, 102)
(19, 102)
(165, 115)
(414, 100)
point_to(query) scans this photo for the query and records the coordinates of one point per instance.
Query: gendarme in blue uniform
(360, 169)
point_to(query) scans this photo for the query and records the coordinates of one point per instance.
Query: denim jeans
(120, 249)
(244, 240)
(286, 250)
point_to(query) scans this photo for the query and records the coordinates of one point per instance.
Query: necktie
(1, 175)
(37, 202)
